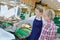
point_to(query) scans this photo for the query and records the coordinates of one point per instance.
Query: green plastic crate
(58, 31)
(6, 24)
(21, 34)
(57, 22)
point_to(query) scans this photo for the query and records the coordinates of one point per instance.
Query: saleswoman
(37, 25)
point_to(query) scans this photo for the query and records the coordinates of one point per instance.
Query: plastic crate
(22, 33)
(58, 31)
(57, 23)
(6, 24)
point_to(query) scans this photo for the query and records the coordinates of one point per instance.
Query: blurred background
(14, 15)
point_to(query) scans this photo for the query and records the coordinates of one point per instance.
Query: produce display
(24, 31)
(10, 20)
(25, 25)
(6, 24)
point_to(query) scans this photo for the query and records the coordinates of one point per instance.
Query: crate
(23, 33)
(58, 30)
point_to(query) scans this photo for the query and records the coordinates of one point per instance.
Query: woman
(37, 24)
(49, 29)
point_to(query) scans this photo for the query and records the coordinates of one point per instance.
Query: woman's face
(38, 13)
(47, 18)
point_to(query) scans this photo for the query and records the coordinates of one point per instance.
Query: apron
(36, 30)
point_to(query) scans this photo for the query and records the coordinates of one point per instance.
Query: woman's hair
(40, 9)
(50, 13)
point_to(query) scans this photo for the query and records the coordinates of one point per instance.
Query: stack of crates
(57, 22)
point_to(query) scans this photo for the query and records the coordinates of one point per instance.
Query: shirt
(49, 31)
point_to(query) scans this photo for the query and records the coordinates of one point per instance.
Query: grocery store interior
(17, 17)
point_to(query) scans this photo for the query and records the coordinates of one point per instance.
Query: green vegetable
(6, 24)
